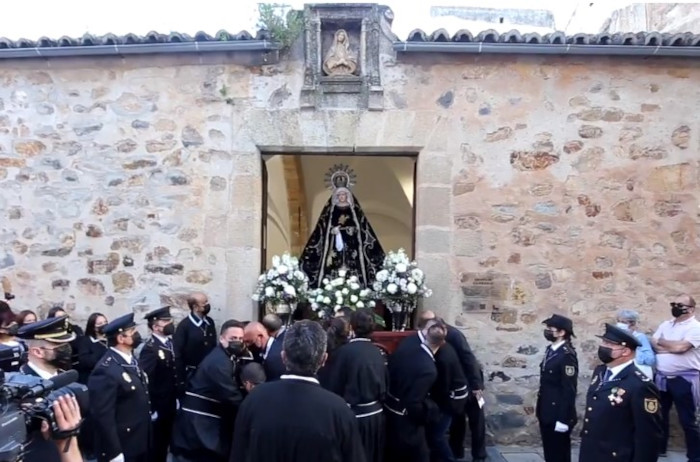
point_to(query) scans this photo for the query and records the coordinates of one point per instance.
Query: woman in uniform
(556, 399)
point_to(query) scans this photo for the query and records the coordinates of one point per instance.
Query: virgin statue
(340, 60)
(343, 237)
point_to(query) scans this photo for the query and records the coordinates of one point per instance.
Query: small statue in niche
(340, 60)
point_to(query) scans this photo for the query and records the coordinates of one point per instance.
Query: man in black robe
(473, 409)
(119, 400)
(194, 338)
(359, 375)
(342, 239)
(412, 374)
(158, 362)
(204, 423)
(294, 419)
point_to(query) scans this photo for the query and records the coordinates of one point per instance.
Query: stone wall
(544, 185)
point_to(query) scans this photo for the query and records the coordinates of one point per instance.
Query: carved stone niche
(341, 48)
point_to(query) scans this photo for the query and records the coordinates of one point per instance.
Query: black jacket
(157, 360)
(623, 418)
(274, 367)
(192, 343)
(120, 408)
(470, 365)
(450, 390)
(91, 351)
(556, 399)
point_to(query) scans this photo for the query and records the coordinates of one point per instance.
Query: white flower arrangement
(283, 283)
(343, 290)
(400, 280)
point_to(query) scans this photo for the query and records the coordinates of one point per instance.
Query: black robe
(192, 343)
(359, 375)
(450, 389)
(362, 255)
(294, 419)
(91, 351)
(623, 418)
(412, 374)
(204, 422)
(158, 362)
(120, 409)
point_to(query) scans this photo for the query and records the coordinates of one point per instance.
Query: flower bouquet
(282, 287)
(342, 291)
(399, 284)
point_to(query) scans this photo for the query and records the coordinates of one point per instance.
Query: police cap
(119, 325)
(560, 322)
(618, 336)
(160, 313)
(56, 330)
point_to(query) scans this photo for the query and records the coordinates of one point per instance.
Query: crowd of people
(257, 391)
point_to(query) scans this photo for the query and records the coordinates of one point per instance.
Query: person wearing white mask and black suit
(556, 398)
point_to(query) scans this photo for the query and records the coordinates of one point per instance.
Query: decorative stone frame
(362, 91)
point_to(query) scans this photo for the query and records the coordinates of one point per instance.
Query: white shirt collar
(555, 346)
(360, 339)
(127, 357)
(617, 369)
(46, 375)
(428, 350)
(270, 341)
(421, 336)
(299, 377)
(95, 340)
(197, 321)
(161, 339)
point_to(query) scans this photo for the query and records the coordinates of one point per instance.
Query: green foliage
(283, 27)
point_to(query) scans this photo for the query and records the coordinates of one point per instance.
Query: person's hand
(67, 414)
(335, 230)
(560, 427)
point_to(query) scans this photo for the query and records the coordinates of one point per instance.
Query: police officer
(119, 397)
(49, 352)
(158, 362)
(556, 399)
(623, 419)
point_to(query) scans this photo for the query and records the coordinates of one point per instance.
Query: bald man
(266, 348)
(472, 410)
(194, 338)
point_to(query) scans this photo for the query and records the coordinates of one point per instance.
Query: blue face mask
(622, 325)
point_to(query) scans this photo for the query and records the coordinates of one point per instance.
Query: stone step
(534, 454)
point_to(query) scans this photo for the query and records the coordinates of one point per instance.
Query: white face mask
(622, 325)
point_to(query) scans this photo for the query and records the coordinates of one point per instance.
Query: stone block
(433, 206)
(677, 177)
(433, 240)
(532, 160)
(216, 231)
(681, 137)
(434, 168)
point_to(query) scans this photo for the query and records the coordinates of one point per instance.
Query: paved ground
(525, 454)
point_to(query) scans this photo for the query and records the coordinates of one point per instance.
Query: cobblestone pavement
(532, 454)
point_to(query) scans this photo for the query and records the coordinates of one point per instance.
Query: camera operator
(204, 424)
(49, 352)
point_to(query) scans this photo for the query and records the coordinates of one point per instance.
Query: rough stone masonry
(544, 185)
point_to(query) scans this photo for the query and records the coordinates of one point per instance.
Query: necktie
(608, 373)
(169, 345)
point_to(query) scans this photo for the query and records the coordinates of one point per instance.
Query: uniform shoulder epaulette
(106, 361)
(642, 376)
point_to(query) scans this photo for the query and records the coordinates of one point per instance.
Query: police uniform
(556, 398)
(53, 330)
(157, 360)
(120, 402)
(193, 340)
(623, 417)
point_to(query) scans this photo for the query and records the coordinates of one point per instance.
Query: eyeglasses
(680, 305)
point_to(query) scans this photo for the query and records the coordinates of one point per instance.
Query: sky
(53, 19)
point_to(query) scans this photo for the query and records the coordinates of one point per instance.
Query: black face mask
(549, 335)
(169, 329)
(136, 340)
(605, 354)
(207, 309)
(678, 309)
(235, 349)
(62, 357)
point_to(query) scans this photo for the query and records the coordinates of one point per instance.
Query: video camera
(26, 401)
(12, 357)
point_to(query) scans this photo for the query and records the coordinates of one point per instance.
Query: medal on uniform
(615, 395)
(126, 377)
(161, 355)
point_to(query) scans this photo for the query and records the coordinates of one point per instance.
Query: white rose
(291, 291)
(392, 288)
(328, 287)
(342, 273)
(299, 275)
(269, 292)
(382, 275)
(261, 278)
(412, 288)
(336, 308)
(401, 268)
(360, 305)
(372, 304)
(326, 301)
(364, 292)
(276, 261)
(338, 294)
(319, 299)
(326, 281)
(353, 299)
(337, 282)
(377, 286)
(346, 291)
(282, 269)
(355, 286)
(339, 301)
(256, 297)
